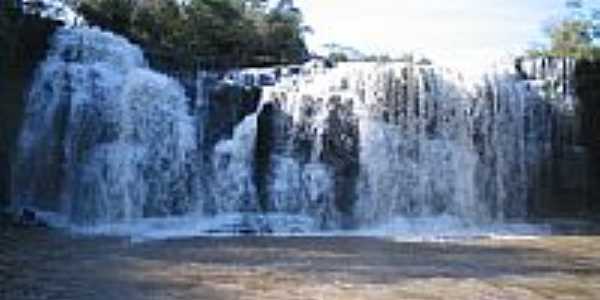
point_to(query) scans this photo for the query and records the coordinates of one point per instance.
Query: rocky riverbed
(37, 263)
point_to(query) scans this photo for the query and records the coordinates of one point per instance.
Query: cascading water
(414, 141)
(105, 139)
(109, 142)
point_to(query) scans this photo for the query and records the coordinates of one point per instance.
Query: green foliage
(211, 33)
(571, 38)
(568, 38)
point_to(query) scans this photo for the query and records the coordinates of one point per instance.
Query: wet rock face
(564, 183)
(322, 135)
(557, 73)
(587, 76)
(227, 107)
(341, 152)
(272, 133)
(28, 37)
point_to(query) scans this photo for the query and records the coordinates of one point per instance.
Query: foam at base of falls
(448, 228)
(422, 229)
(228, 224)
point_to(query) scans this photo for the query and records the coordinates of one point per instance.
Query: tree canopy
(209, 33)
(572, 36)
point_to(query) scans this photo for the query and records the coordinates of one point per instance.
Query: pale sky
(442, 29)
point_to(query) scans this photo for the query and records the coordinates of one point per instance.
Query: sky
(456, 30)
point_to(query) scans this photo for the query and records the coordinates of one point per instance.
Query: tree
(217, 33)
(284, 36)
(570, 38)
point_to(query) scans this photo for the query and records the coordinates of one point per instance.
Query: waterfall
(105, 138)
(410, 141)
(109, 142)
(233, 165)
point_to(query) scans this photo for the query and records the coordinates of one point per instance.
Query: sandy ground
(37, 263)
